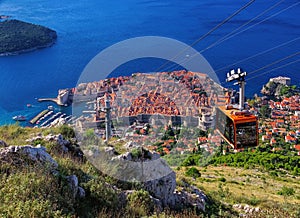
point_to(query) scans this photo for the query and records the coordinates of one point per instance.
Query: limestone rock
(154, 156)
(162, 188)
(194, 198)
(127, 156)
(152, 173)
(246, 209)
(130, 145)
(35, 138)
(21, 153)
(77, 191)
(73, 184)
(61, 141)
(109, 150)
(80, 192)
(63, 145)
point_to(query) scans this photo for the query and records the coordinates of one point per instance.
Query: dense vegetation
(266, 160)
(18, 36)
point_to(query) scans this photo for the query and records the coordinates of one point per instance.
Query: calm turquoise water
(86, 27)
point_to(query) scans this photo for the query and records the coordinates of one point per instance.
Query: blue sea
(87, 27)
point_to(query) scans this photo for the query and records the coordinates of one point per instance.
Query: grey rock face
(73, 184)
(77, 191)
(60, 141)
(36, 154)
(127, 156)
(80, 192)
(155, 176)
(62, 144)
(129, 145)
(162, 188)
(194, 198)
(109, 150)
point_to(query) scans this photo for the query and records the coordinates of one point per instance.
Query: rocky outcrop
(109, 150)
(18, 155)
(130, 145)
(246, 210)
(62, 144)
(76, 190)
(28, 154)
(154, 175)
(194, 198)
(162, 188)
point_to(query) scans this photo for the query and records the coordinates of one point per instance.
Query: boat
(19, 118)
(29, 105)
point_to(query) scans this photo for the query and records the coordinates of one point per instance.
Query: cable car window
(246, 134)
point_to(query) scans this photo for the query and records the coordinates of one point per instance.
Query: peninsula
(17, 37)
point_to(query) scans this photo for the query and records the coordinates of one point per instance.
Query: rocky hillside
(43, 173)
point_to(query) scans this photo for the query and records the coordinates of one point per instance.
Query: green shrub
(136, 153)
(39, 142)
(67, 131)
(286, 191)
(222, 179)
(100, 198)
(175, 159)
(140, 203)
(191, 160)
(273, 173)
(193, 172)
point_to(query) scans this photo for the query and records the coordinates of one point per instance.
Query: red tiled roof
(297, 147)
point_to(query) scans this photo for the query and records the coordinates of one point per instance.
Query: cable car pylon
(107, 110)
(239, 76)
(237, 126)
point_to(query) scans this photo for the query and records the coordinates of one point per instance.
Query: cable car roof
(238, 116)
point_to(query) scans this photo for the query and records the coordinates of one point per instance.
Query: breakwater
(37, 117)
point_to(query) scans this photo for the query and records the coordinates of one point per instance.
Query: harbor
(49, 112)
(43, 115)
(51, 118)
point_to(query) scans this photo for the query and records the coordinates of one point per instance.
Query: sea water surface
(87, 27)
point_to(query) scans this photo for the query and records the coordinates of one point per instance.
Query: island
(18, 37)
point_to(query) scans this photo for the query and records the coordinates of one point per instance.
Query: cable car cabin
(238, 128)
